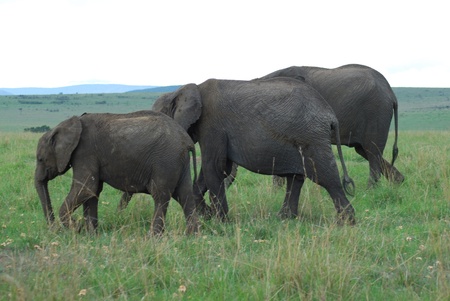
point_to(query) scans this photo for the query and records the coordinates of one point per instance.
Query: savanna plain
(398, 250)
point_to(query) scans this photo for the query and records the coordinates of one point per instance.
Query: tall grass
(399, 249)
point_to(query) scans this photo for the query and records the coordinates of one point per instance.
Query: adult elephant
(144, 152)
(278, 126)
(364, 104)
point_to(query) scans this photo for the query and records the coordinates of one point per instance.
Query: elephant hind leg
(124, 200)
(378, 165)
(184, 196)
(391, 173)
(375, 163)
(161, 196)
(324, 172)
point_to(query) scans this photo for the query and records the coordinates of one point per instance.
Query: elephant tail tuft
(349, 185)
(395, 148)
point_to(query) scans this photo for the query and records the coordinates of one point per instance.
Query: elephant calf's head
(55, 149)
(53, 158)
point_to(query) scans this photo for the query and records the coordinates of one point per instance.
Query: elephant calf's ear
(65, 139)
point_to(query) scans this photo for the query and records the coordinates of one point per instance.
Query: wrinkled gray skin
(141, 152)
(273, 127)
(364, 104)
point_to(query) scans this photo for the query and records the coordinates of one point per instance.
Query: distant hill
(159, 89)
(78, 89)
(3, 92)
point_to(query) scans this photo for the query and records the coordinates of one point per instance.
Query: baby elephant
(140, 152)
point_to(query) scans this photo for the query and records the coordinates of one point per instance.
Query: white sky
(54, 43)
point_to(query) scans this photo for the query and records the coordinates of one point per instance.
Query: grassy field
(399, 249)
(419, 108)
(18, 112)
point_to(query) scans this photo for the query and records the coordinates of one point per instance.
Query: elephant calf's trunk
(44, 196)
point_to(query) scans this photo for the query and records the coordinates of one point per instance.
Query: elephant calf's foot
(286, 213)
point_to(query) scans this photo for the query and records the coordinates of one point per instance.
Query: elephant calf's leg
(90, 212)
(79, 193)
(184, 196)
(290, 204)
(161, 198)
(158, 222)
(124, 201)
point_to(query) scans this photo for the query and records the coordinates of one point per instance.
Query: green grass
(399, 249)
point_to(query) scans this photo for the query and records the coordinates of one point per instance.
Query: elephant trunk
(44, 196)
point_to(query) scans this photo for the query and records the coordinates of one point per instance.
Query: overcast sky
(54, 43)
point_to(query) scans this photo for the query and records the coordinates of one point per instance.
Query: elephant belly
(286, 160)
(129, 180)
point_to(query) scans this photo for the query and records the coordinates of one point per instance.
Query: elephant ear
(65, 138)
(184, 105)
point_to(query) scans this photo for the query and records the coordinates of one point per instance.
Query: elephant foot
(346, 217)
(371, 183)
(156, 231)
(192, 225)
(205, 211)
(396, 178)
(70, 223)
(286, 213)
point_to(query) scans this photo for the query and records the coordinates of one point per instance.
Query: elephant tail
(347, 182)
(194, 163)
(395, 148)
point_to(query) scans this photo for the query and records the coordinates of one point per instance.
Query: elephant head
(184, 105)
(53, 158)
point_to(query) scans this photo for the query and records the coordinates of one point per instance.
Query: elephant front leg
(290, 204)
(90, 212)
(80, 193)
(215, 181)
(200, 189)
(219, 203)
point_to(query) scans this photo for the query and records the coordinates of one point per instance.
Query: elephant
(140, 152)
(364, 103)
(278, 126)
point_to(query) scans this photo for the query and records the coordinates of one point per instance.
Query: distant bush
(39, 129)
(103, 102)
(30, 102)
